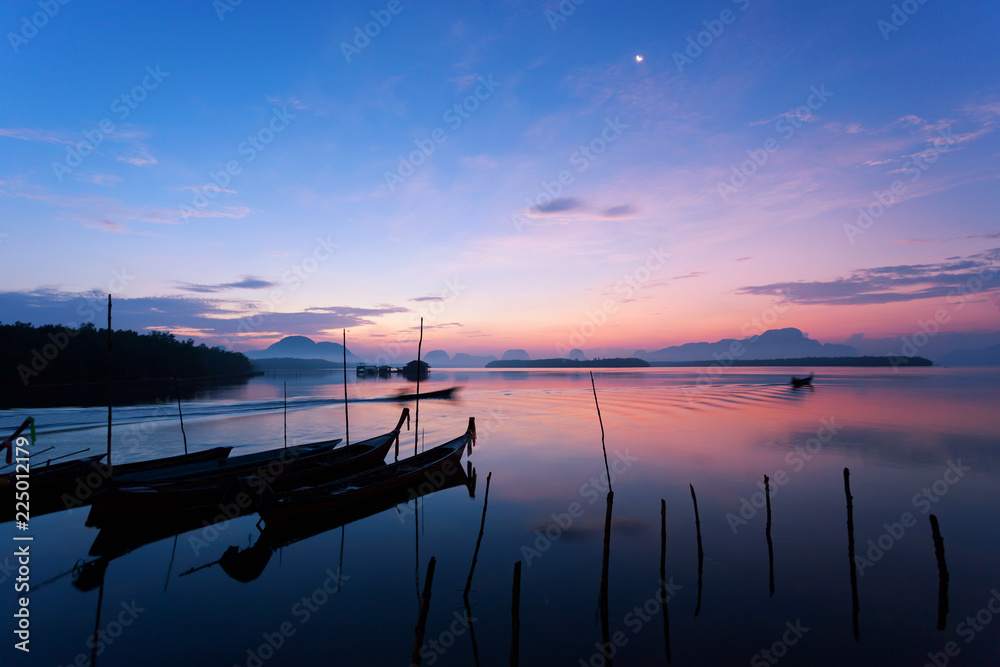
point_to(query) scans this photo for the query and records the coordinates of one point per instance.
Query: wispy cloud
(220, 320)
(29, 134)
(971, 237)
(559, 205)
(887, 284)
(139, 156)
(248, 282)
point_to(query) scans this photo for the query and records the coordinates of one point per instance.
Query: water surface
(917, 442)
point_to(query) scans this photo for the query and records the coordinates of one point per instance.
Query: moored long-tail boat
(427, 468)
(223, 486)
(58, 486)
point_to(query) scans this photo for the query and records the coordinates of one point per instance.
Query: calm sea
(919, 442)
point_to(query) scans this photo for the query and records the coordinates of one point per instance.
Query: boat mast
(347, 422)
(109, 385)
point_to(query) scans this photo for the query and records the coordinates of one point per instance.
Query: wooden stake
(663, 575)
(603, 599)
(855, 605)
(701, 552)
(177, 390)
(515, 617)
(347, 421)
(479, 541)
(601, 422)
(425, 605)
(284, 385)
(943, 577)
(767, 533)
(416, 418)
(109, 385)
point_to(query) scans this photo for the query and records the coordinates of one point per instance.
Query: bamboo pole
(605, 566)
(601, 422)
(767, 533)
(177, 390)
(943, 577)
(416, 418)
(663, 575)
(701, 552)
(515, 617)
(425, 605)
(479, 541)
(109, 385)
(347, 421)
(855, 605)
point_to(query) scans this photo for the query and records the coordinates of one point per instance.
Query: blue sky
(666, 231)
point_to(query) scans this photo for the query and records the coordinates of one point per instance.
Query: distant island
(294, 363)
(803, 361)
(630, 362)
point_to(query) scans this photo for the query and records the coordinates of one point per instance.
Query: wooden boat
(801, 382)
(440, 393)
(59, 486)
(426, 470)
(232, 467)
(232, 490)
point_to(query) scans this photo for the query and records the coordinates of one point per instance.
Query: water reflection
(666, 435)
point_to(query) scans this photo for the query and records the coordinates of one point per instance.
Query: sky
(534, 175)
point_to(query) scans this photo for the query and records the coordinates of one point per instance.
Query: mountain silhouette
(987, 357)
(301, 347)
(772, 344)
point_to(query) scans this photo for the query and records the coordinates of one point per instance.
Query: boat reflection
(246, 565)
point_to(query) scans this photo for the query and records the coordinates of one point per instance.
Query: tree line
(50, 354)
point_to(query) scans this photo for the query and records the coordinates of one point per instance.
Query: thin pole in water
(109, 385)
(177, 390)
(416, 418)
(347, 422)
(285, 385)
(601, 422)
